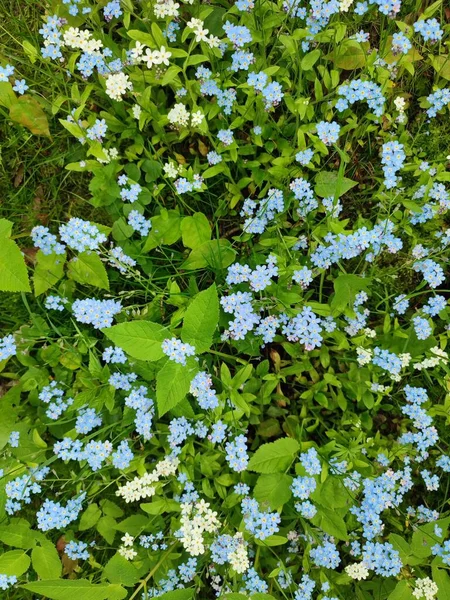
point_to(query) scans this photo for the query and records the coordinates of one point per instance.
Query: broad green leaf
(217, 254)
(310, 59)
(272, 540)
(330, 522)
(90, 517)
(28, 112)
(106, 528)
(7, 95)
(141, 36)
(274, 489)
(139, 339)
(345, 289)
(274, 457)
(46, 561)
(441, 578)
(172, 384)
(15, 562)
(161, 505)
(201, 319)
(120, 570)
(67, 589)
(441, 65)
(48, 271)
(328, 184)
(184, 594)
(349, 55)
(18, 535)
(166, 229)
(402, 591)
(32, 52)
(195, 230)
(13, 271)
(87, 268)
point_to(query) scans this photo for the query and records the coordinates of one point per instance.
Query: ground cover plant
(224, 367)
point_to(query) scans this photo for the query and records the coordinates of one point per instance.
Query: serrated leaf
(201, 319)
(402, 591)
(18, 535)
(274, 457)
(87, 268)
(139, 339)
(46, 561)
(28, 112)
(349, 55)
(330, 522)
(15, 562)
(173, 383)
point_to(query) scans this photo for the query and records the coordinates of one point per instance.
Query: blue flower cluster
(53, 515)
(359, 90)
(98, 313)
(392, 159)
(8, 347)
(259, 523)
(177, 350)
(201, 388)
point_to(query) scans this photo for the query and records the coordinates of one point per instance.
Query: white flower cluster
(117, 84)
(363, 356)
(166, 8)
(400, 105)
(80, 40)
(239, 558)
(344, 5)
(357, 571)
(150, 57)
(201, 34)
(195, 520)
(143, 487)
(127, 550)
(429, 363)
(172, 170)
(179, 115)
(425, 588)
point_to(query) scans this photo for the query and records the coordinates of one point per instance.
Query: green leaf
(13, 271)
(330, 522)
(272, 540)
(32, 52)
(441, 578)
(217, 254)
(106, 528)
(349, 55)
(184, 594)
(310, 59)
(195, 230)
(28, 112)
(166, 229)
(46, 561)
(172, 384)
(201, 319)
(274, 489)
(18, 535)
(402, 591)
(329, 184)
(274, 457)
(7, 95)
(441, 65)
(139, 339)
(161, 505)
(120, 570)
(345, 289)
(67, 589)
(90, 517)
(15, 562)
(87, 268)
(48, 271)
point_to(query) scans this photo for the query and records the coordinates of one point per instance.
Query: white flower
(127, 539)
(344, 5)
(137, 111)
(171, 170)
(201, 35)
(195, 24)
(196, 118)
(364, 356)
(213, 41)
(151, 58)
(127, 553)
(167, 8)
(164, 56)
(137, 51)
(357, 571)
(400, 104)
